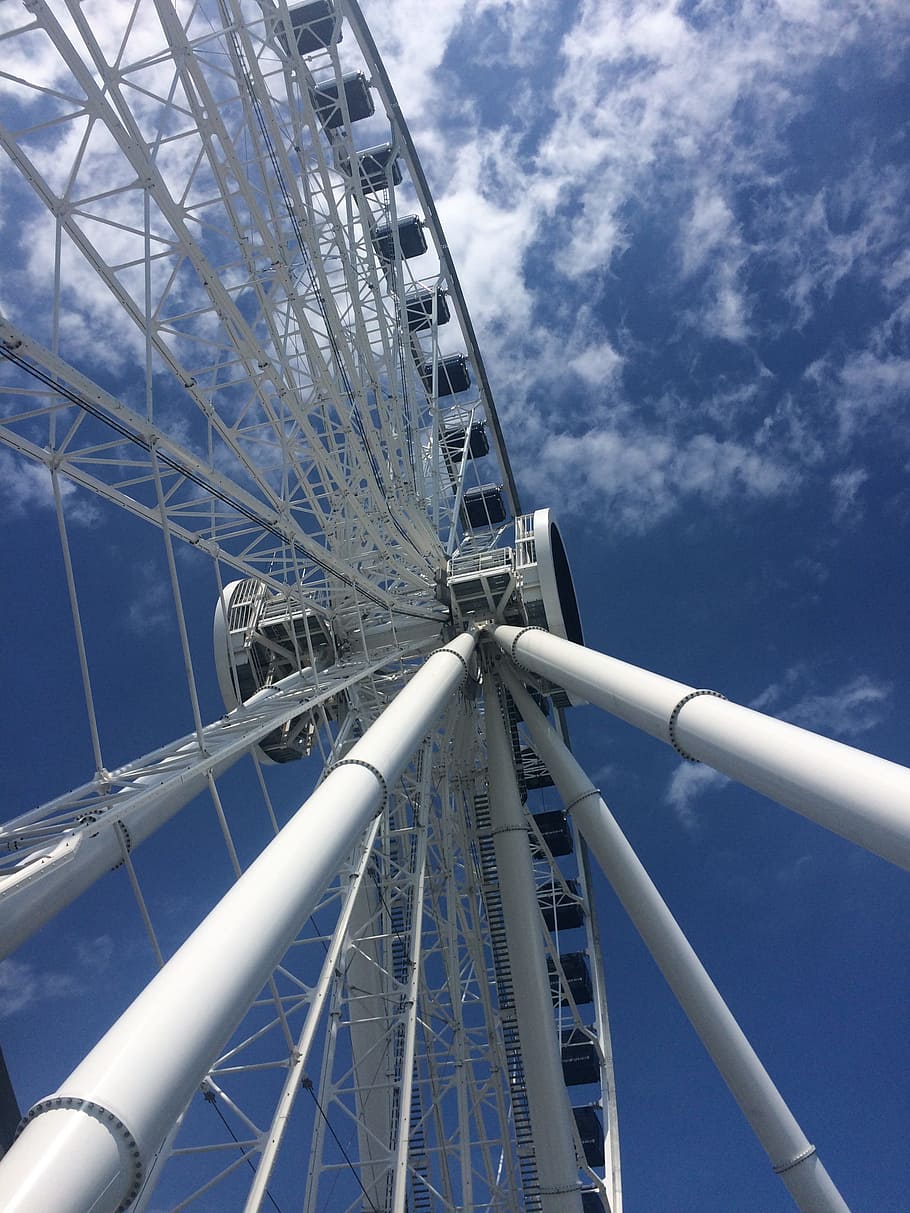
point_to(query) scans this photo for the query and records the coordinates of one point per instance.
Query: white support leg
(103, 1125)
(857, 795)
(548, 1100)
(792, 1157)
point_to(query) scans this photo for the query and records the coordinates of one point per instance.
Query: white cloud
(152, 607)
(412, 37)
(95, 954)
(22, 985)
(638, 477)
(846, 712)
(795, 871)
(25, 486)
(597, 364)
(846, 486)
(492, 230)
(671, 114)
(646, 109)
(709, 225)
(862, 390)
(768, 699)
(844, 228)
(688, 783)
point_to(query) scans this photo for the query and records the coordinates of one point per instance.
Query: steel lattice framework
(234, 328)
(274, 389)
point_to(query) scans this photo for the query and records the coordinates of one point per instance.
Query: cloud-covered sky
(682, 232)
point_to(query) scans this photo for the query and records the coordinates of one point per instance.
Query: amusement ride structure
(409, 977)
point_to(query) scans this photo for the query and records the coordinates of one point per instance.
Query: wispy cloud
(712, 245)
(795, 871)
(846, 712)
(650, 149)
(23, 984)
(152, 605)
(846, 486)
(25, 486)
(95, 954)
(640, 476)
(688, 784)
(659, 120)
(864, 389)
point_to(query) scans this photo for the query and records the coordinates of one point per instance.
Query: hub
(528, 584)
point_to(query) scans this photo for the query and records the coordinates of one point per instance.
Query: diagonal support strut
(854, 794)
(792, 1156)
(101, 1128)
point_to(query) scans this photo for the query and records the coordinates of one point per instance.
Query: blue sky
(682, 233)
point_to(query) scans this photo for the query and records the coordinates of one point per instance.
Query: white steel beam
(612, 1163)
(102, 1126)
(792, 1157)
(548, 1101)
(854, 794)
(60, 849)
(383, 83)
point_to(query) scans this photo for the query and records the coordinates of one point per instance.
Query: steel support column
(548, 1101)
(102, 1126)
(792, 1157)
(854, 794)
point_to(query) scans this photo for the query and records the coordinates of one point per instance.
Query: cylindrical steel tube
(854, 794)
(140, 1075)
(762, 1104)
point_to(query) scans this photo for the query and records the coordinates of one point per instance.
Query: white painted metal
(854, 794)
(60, 849)
(369, 1006)
(612, 1160)
(538, 567)
(141, 1074)
(548, 1102)
(792, 1157)
(451, 276)
(177, 167)
(404, 1091)
(277, 530)
(297, 1066)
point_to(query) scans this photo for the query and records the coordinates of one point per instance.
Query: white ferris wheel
(399, 1003)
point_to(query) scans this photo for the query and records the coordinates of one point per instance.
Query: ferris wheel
(254, 339)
